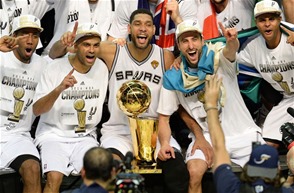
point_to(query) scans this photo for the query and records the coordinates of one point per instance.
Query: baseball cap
(188, 25)
(87, 29)
(266, 6)
(26, 21)
(263, 162)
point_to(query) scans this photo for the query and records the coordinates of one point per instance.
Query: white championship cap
(87, 29)
(188, 25)
(26, 21)
(266, 6)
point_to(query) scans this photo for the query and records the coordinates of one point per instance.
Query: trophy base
(141, 167)
(13, 118)
(80, 130)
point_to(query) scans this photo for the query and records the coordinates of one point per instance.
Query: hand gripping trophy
(134, 98)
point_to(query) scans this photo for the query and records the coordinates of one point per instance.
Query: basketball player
(142, 61)
(70, 102)
(119, 26)
(271, 53)
(20, 73)
(186, 87)
(68, 12)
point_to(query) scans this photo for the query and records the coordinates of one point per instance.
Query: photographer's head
(263, 164)
(98, 165)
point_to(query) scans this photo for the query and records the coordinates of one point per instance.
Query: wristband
(210, 108)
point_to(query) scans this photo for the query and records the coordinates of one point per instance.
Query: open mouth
(90, 58)
(142, 39)
(29, 51)
(268, 32)
(192, 53)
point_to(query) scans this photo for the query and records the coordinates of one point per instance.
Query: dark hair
(140, 11)
(98, 163)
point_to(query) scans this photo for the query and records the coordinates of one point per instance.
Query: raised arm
(288, 7)
(62, 46)
(45, 103)
(172, 8)
(232, 42)
(221, 156)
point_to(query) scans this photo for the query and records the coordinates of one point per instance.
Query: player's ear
(129, 28)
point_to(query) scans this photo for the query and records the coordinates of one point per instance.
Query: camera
(287, 130)
(127, 181)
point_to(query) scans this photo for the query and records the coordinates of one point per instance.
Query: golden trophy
(79, 105)
(278, 77)
(134, 98)
(18, 93)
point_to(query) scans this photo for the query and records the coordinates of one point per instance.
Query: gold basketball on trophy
(133, 97)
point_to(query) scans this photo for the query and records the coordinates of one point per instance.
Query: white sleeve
(168, 102)
(38, 8)
(188, 9)
(119, 26)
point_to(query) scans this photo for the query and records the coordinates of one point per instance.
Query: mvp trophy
(18, 93)
(134, 98)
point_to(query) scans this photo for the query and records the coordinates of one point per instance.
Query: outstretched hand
(212, 91)
(290, 39)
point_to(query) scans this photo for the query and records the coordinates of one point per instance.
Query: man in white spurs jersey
(69, 99)
(20, 73)
(271, 53)
(143, 61)
(186, 87)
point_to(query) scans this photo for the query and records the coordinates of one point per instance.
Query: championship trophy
(134, 98)
(18, 93)
(79, 105)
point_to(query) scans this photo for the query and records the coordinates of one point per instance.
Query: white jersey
(119, 26)
(18, 86)
(125, 67)
(235, 118)
(78, 107)
(276, 66)
(67, 12)
(237, 14)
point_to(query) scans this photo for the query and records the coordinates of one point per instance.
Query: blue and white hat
(263, 162)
